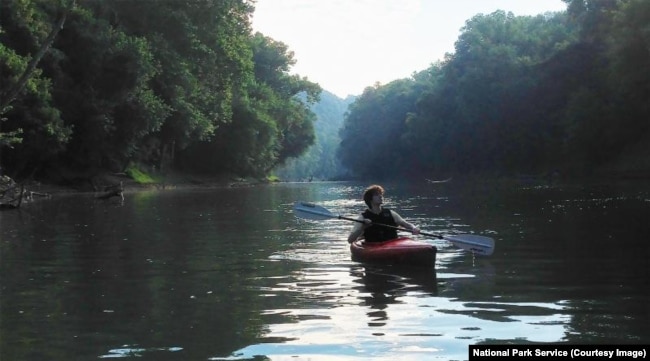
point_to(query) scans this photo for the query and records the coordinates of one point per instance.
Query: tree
(371, 135)
(102, 85)
(29, 120)
(118, 87)
(629, 73)
(203, 48)
(271, 123)
(475, 111)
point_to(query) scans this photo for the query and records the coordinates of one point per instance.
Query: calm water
(231, 274)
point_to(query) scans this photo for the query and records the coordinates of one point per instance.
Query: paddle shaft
(389, 226)
(313, 209)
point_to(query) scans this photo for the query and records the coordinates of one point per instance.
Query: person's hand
(366, 223)
(415, 230)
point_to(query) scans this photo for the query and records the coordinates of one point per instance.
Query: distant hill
(320, 162)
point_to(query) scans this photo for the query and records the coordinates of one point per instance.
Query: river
(232, 274)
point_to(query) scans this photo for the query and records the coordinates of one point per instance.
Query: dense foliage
(563, 92)
(106, 85)
(102, 84)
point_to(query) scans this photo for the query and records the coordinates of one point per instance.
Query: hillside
(319, 161)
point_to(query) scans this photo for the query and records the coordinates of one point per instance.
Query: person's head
(372, 191)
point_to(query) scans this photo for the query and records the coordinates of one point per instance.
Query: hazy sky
(347, 45)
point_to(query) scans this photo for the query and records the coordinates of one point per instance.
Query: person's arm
(357, 229)
(404, 224)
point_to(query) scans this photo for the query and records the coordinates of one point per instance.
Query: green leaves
(119, 86)
(565, 91)
(29, 118)
(371, 137)
(269, 124)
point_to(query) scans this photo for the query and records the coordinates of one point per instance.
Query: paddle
(470, 242)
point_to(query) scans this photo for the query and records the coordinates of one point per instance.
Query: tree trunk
(22, 81)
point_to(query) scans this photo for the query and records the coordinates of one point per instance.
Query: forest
(96, 86)
(183, 85)
(562, 93)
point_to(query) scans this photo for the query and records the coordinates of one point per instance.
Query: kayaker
(375, 215)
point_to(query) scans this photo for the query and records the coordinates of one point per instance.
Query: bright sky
(347, 45)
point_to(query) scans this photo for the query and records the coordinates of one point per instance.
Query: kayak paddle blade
(311, 211)
(476, 244)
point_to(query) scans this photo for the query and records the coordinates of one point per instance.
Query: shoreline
(102, 186)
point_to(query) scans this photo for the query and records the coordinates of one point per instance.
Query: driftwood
(32, 194)
(111, 191)
(13, 194)
(15, 201)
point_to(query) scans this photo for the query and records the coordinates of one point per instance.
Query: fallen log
(112, 191)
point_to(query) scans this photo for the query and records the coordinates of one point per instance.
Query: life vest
(377, 233)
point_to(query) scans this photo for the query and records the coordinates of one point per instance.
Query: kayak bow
(402, 250)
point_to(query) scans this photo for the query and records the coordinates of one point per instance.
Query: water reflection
(351, 310)
(384, 286)
(362, 311)
(231, 274)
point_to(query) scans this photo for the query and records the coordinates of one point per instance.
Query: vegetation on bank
(564, 93)
(92, 88)
(139, 176)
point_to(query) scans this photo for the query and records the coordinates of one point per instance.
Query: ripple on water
(136, 351)
(354, 311)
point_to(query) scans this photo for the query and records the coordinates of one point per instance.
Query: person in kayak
(374, 216)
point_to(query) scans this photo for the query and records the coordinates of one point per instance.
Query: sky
(347, 45)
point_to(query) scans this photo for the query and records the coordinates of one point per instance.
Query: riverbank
(105, 185)
(633, 166)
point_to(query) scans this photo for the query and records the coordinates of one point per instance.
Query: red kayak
(402, 250)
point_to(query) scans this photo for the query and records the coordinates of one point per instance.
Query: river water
(232, 274)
